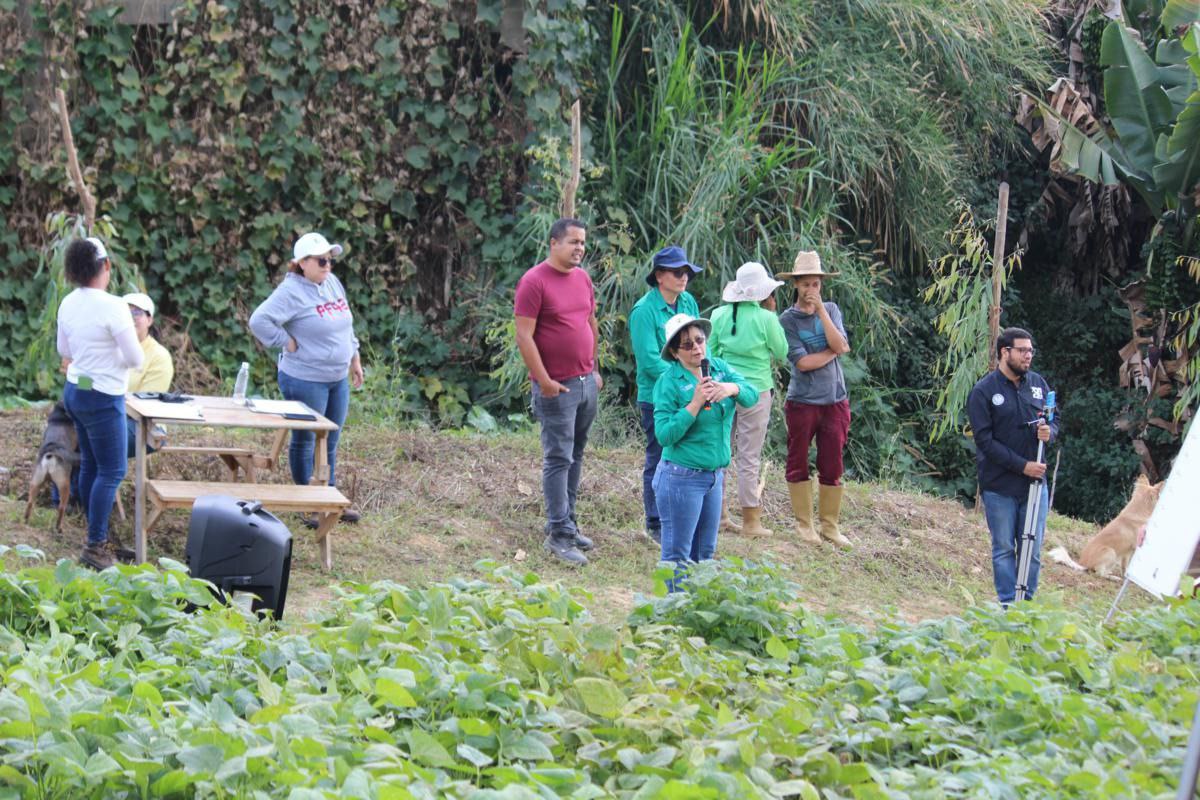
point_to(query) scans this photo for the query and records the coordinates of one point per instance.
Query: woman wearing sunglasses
(693, 415)
(308, 319)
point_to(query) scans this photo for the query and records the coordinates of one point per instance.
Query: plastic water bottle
(239, 387)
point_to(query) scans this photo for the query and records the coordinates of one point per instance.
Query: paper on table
(157, 409)
(278, 407)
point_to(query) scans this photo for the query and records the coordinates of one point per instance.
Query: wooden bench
(325, 501)
(235, 458)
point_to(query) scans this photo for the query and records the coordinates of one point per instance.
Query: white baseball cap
(101, 253)
(140, 300)
(314, 244)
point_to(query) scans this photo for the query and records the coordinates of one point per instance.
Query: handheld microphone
(704, 373)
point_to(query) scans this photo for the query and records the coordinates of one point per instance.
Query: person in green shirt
(693, 415)
(746, 333)
(669, 274)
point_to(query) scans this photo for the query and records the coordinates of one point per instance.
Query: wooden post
(997, 273)
(89, 202)
(572, 184)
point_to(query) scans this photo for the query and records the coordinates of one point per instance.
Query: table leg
(139, 490)
(321, 460)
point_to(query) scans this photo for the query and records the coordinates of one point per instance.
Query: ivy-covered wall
(397, 128)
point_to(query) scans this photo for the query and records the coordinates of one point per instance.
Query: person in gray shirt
(817, 404)
(308, 319)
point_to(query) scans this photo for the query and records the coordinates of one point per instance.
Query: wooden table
(223, 412)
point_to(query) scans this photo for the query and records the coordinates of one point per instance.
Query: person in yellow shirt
(157, 368)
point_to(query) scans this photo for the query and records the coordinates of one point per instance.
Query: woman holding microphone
(693, 414)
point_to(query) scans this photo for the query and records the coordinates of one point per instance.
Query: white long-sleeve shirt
(95, 331)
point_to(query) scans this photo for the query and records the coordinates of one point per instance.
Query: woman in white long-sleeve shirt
(97, 337)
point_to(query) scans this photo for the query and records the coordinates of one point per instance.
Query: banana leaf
(1179, 13)
(1136, 101)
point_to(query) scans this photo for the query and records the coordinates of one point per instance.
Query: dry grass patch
(435, 503)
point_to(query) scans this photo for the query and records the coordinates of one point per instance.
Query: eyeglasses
(323, 262)
(678, 272)
(691, 344)
(1025, 351)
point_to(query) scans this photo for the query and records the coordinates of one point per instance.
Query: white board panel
(1174, 528)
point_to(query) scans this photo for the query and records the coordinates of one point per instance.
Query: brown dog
(1113, 546)
(57, 455)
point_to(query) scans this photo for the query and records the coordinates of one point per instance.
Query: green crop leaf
(529, 748)
(395, 694)
(427, 749)
(601, 696)
(777, 649)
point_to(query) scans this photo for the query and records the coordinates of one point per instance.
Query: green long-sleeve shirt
(648, 333)
(759, 340)
(702, 441)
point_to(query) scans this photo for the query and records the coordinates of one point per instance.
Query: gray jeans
(566, 420)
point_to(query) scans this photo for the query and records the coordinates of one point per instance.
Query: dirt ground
(436, 503)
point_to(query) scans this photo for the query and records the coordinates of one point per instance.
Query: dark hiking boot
(97, 556)
(563, 546)
(310, 521)
(351, 515)
(655, 535)
(118, 549)
(582, 542)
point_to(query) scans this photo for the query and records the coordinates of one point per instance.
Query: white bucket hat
(140, 300)
(753, 283)
(314, 244)
(808, 262)
(677, 323)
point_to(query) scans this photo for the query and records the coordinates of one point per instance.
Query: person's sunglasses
(323, 262)
(691, 344)
(137, 312)
(678, 272)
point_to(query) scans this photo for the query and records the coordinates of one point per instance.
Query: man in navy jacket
(1006, 410)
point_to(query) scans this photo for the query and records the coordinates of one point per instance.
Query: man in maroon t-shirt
(557, 335)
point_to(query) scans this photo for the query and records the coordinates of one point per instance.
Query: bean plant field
(135, 683)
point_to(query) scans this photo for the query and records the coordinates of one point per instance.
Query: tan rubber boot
(728, 523)
(829, 506)
(802, 510)
(752, 522)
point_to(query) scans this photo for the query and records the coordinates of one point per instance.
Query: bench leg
(325, 537)
(247, 465)
(232, 464)
(155, 513)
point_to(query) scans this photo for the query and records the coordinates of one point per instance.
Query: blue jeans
(689, 501)
(1006, 521)
(100, 422)
(330, 400)
(131, 440)
(566, 420)
(653, 456)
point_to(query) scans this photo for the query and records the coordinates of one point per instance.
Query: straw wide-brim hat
(753, 284)
(677, 323)
(808, 262)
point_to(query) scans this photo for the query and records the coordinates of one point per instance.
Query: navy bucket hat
(670, 257)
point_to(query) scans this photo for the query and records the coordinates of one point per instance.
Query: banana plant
(1154, 106)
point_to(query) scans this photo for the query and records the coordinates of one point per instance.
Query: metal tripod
(1029, 534)
(1032, 507)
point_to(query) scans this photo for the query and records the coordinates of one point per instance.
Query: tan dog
(1113, 546)
(57, 455)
